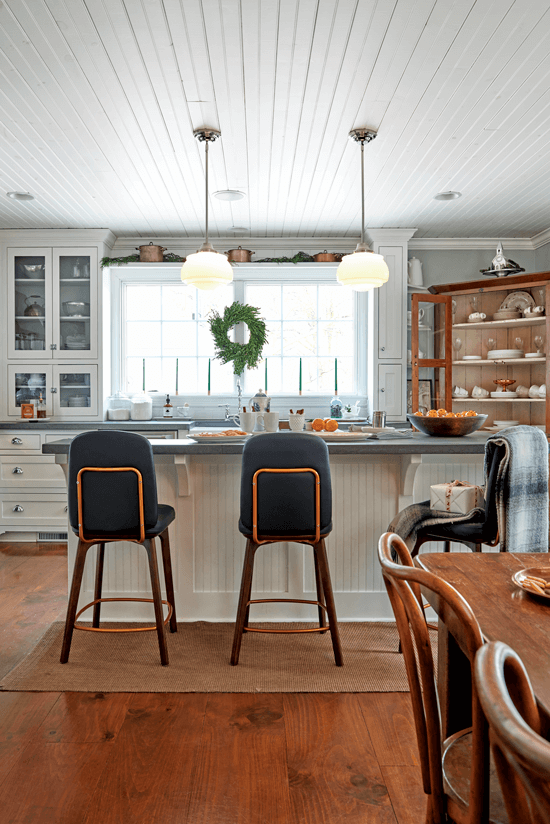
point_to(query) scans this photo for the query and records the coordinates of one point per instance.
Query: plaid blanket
(521, 495)
(521, 488)
(408, 523)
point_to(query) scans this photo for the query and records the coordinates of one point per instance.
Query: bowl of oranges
(445, 424)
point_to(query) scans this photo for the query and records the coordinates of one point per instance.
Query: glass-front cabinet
(52, 303)
(68, 390)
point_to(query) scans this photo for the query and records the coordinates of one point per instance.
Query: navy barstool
(113, 497)
(286, 495)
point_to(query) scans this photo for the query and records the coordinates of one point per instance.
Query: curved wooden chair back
(521, 755)
(404, 583)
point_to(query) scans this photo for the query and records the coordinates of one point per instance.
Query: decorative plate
(339, 436)
(217, 438)
(518, 301)
(541, 576)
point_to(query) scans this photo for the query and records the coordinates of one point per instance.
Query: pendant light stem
(206, 142)
(362, 192)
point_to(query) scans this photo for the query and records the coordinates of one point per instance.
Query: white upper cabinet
(52, 303)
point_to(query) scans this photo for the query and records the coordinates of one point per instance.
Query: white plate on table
(202, 438)
(519, 579)
(339, 436)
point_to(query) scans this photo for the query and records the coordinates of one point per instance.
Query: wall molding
(445, 243)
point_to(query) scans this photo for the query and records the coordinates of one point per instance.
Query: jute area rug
(199, 661)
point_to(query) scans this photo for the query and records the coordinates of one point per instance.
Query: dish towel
(521, 488)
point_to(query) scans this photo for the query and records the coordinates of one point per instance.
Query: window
(166, 321)
(312, 320)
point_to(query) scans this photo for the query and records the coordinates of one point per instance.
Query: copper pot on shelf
(151, 253)
(240, 255)
(324, 257)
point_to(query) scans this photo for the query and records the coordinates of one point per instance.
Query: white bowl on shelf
(533, 355)
(534, 391)
(471, 357)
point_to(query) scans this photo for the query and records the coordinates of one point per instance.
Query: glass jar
(119, 406)
(142, 407)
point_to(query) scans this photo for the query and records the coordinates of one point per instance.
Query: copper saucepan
(151, 253)
(324, 257)
(240, 255)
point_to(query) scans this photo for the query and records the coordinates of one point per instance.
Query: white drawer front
(60, 436)
(30, 471)
(33, 510)
(19, 442)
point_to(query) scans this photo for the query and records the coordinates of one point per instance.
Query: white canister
(415, 272)
(142, 408)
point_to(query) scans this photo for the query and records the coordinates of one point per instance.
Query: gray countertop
(80, 426)
(417, 444)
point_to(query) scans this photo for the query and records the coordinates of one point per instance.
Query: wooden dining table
(504, 612)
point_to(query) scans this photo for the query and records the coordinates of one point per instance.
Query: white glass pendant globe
(206, 270)
(363, 271)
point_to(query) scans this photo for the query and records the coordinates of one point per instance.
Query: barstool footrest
(123, 629)
(285, 601)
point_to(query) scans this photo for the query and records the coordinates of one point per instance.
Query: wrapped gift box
(457, 496)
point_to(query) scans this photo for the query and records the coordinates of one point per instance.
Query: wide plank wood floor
(88, 758)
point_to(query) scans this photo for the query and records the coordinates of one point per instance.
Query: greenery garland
(299, 257)
(169, 257)
(242, 354)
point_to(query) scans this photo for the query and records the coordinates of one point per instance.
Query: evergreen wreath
(242, 354)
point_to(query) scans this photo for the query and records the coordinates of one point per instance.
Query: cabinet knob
(382, 390)
(18, 508)
(383, 349)
(53, 390)
(66, 509)
(17, 470)
(17, 441)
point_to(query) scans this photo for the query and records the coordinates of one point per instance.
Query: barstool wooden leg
(244, 597)
(319, 587)
(149, 545)
(98, 583)
(168, 579)
(78, 571)
(324, 572)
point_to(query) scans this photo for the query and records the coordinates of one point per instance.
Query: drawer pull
(66, 509)
(17, 441)
(18, 508)
(17, 470)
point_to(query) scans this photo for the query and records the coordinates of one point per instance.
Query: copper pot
(324, 257)
(151, 253)
(240, 255)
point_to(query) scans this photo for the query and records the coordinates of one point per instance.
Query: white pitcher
(415, 272)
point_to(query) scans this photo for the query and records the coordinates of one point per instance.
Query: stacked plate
(507, 314)
(503, 354)
(504, 396)
(78, 400)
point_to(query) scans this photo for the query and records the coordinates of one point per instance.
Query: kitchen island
(371, 480)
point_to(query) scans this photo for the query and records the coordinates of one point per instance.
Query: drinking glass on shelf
(474, 303)
(491, 343)
(457, 346)
(539, 343)
(518, 343)
(542, 296)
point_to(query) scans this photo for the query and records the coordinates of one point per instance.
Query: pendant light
(363, 269)
(206, 269)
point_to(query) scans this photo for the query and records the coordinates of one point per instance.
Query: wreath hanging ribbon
(242, 354)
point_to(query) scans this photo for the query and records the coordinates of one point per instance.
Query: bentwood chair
(286, 495)
(113, 497)
(521, 754)
(455, 772)
(475, 534)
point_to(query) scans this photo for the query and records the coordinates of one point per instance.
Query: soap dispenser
(168, 408)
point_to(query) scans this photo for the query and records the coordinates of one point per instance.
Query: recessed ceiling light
(239, 229)
(20, 195)
(447, 195)
(229, 194)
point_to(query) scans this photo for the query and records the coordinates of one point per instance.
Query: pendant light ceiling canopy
(206, 269)
(363, 269)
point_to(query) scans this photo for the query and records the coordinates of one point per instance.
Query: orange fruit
(318, 425)
(331, 425)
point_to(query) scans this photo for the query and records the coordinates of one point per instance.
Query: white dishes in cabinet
(534, 391)
(522, 391)
(501, 354)
(517, 300)
(504, 396)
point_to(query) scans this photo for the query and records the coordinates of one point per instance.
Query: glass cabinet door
(27, 387)
(75, 390)
(75, 309)
(29, 303)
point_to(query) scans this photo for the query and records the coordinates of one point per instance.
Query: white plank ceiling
(99, 100)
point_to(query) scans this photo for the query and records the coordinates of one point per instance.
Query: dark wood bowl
(447, 427)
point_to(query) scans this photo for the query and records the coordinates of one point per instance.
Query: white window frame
(151, 273)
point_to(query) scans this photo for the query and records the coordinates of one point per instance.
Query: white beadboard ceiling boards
(99, 100)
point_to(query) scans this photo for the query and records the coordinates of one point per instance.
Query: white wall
(542, 258)
(454, 265)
